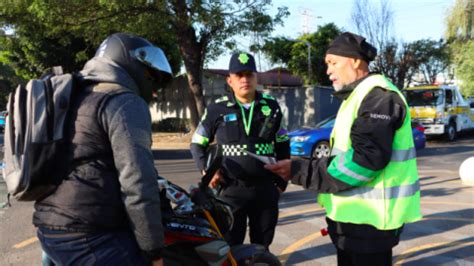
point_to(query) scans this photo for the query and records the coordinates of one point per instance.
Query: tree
(198, 28)
(459, 20)
(400, 63)
(41, 38)
(8, 79)
(376, 24)
(294, 53)
(464, 68)
(278, 49)
(459, 32)
(433, 57)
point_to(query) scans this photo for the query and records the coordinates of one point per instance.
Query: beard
(338, 87)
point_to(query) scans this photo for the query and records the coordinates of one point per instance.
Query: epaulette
(266, 96)
(221, 99)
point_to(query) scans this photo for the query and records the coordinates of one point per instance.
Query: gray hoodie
(127, 121)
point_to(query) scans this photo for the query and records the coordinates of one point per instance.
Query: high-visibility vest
(385, 199)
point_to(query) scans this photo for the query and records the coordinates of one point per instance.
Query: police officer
(369, 186)
(245, 120)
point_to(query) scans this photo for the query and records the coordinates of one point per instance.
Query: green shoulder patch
(266, 96)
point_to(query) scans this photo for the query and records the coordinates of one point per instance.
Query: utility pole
(305, 14)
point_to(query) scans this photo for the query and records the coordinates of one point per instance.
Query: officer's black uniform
(247, 185)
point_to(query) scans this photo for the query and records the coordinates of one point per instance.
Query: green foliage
(278, 49)
(465, 68)
(294, 53)
(457, 21)
(433, 57)
(49, 33)
(459, 33)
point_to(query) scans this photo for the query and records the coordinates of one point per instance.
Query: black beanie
(352, 45)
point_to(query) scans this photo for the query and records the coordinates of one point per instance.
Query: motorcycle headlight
(300, 138)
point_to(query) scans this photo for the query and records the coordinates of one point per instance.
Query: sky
(413, 20)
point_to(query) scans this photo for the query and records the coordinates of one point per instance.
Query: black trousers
(348, 258)
(257, 205)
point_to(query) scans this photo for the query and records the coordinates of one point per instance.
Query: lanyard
(248, 123)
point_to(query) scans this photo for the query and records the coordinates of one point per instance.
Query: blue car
(3, 117)
(314, 142)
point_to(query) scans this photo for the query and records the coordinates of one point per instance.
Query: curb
(170, 146)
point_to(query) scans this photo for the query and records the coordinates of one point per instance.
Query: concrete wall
(305, 106)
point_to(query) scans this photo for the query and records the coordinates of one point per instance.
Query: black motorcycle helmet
(144, 62)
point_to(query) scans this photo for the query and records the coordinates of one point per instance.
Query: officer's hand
(157, 262)
(215, 179)
(281, 168)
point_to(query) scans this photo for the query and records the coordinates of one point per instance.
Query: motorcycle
(195, 222)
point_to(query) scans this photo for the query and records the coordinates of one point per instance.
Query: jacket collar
(233, 101)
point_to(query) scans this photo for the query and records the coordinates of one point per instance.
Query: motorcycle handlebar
(214, 163)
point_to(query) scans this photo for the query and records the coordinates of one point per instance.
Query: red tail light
(420, 128)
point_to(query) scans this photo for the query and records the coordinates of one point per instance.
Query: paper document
(263, 159)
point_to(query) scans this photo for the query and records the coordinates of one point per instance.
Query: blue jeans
(98, 248)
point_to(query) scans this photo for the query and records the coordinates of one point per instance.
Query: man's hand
(157, 262)
(215, 179)
(281, 168)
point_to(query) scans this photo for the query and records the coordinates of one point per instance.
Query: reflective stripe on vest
(386, 193)
(403, 155)
(397, 155)
(347, 171)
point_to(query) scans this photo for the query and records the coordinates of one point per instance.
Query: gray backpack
(34, 136)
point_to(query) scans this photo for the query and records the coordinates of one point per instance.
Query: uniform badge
(266, 110)
(243, 58)
(230, 117)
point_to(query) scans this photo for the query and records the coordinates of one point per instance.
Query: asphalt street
(445, 236)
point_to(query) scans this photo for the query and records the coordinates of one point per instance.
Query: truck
(440, 109)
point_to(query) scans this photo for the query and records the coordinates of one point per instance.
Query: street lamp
(309, 60)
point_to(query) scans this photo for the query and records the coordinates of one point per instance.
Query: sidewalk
(171, 141)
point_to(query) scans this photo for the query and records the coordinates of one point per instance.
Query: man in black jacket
(106, 211)
(371, 172)
(245, 120)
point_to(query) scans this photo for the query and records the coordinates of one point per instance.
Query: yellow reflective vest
(385, 199)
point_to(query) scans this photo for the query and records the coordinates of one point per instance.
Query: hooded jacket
(111, 180)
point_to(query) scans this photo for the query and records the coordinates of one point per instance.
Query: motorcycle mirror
(213, 163)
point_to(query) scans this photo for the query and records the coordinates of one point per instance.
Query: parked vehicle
(3, 117)
(314, 142)
(441, 110)
(308, 142)
(195, 223)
